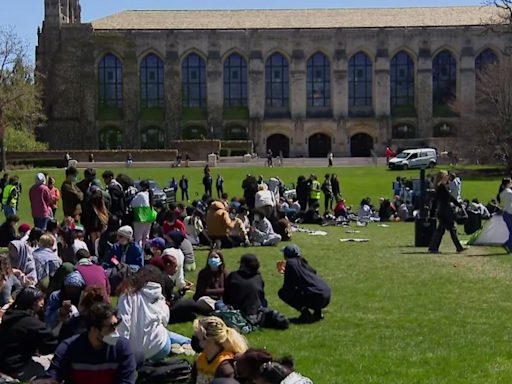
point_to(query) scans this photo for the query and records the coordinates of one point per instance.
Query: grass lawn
(398, 314)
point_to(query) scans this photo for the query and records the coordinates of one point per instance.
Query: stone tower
(58, 12)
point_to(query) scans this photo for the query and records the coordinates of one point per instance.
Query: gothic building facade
(304, 82)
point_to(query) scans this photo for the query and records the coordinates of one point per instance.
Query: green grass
(398, 314)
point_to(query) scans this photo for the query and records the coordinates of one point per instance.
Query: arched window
(236, 133)
(152, 138)
(152, 82)
(235, 81)
(403, 131)
(111, 138)
(360, 81)
(444, 78)
(402, 80)
(487, 57)
(110, 76)
(194, 81)
(193, 133)
(277, 81)
(319, 81)
(443, 130)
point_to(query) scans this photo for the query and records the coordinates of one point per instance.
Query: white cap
(40, 178)
(125, 231)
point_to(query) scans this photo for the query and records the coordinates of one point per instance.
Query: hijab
(20, 256)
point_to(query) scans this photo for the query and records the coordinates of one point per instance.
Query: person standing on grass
(115, 190)
(330, 157)
(302, 289)
(184, 188)
(328, 194)
(505, 199)
(72, 196)
(144, 214)
(10, 197)
(445, 214)
(54, 191)
(315, 190)
(41, 202)
(174, 185)
(220, 186)
(207, 182)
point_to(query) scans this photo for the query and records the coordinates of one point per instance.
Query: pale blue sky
(26, 15)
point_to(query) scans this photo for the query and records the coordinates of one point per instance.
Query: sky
(26, 15)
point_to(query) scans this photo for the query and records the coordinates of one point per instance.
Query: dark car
(160, 196)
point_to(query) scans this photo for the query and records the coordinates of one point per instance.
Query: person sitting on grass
(282, 372)
(179, 241)
(219, 224)
(126, 250)
(302, 289)
(172, 222)
(341, 208)
(365, 209)
(22, 262)
(8, 230)
(98, 355)
(24, 336)
(46, 261)
(144, 316)
(211, 279)
(219, 346)
(261, 232)
(248, 365)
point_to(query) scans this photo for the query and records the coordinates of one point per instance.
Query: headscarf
(74, 279)
(20, 256)
(58, 279)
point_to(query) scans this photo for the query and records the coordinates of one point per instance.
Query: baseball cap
(291, 251)
(177, 237)
(125, 231)
(24, 228)
(157, 242)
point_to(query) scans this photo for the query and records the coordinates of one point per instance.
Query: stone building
(304, 82)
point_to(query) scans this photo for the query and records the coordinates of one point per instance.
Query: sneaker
(177, 349)
(464, 249)
(319, 315)
(306, 317)
(188, 350)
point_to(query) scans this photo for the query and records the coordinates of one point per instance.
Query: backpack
(235, 319)
(119, 273)
(168, 371)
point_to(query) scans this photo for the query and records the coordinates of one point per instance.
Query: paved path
(233, 163)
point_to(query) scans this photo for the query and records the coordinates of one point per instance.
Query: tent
(494, 232)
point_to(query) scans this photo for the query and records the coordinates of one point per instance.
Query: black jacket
(118, 205)
(335, 187)
(245, 292)
(299, 277)
(7, 234)
(442, 201)
(22, 336)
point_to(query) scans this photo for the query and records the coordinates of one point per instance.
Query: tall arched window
(152, 82)
(487, 57)
(235, 81)
(444, 78)
(277, 81)
(194, 81)
(110, 76)
(319, 81)
(402, 80)
(152, 138)
(360, 81)
(110, 138)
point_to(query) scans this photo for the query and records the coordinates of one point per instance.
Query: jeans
(298, 300)
(328, 203)
(184, 192)
(9, 210)
(40, 222)
(507, 217)
(220, 191)
(174, 338)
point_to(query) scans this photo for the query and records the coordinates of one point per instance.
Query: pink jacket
(41, 201)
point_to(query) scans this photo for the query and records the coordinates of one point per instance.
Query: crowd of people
(57, 279)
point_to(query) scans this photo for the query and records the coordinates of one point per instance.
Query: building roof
(299, 18)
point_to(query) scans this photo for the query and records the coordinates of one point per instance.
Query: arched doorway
(361, 145)
(319, 145)
(277, 143)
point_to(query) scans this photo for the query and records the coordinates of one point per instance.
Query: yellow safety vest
(315, 195)
(7, 192)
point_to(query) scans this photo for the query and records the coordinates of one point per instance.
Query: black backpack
(119, 273)
(168, 371)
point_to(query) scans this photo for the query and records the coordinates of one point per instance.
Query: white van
(414, 158)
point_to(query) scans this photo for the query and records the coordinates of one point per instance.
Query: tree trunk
(3, 160)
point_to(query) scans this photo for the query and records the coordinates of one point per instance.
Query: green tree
(27, 142)
(20, 95)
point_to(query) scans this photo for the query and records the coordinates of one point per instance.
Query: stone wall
(196, 149)
(100, 156)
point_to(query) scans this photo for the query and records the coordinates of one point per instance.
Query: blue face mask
(214, 262)
(75, 178)
(232, 216)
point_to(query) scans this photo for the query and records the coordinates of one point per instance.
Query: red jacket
(389, 153)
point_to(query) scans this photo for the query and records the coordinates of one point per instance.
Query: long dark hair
(221, 257)
(147, 274)
(506, 181)
(99, 207)
(26, 299)
(276, 371)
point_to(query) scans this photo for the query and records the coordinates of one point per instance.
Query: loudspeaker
(425, 229)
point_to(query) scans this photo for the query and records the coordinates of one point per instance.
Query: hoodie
(115, 190)
(218, 222)
(144, 316)
(22, 336)
(296, 378)
(244, 291)
(41, 200)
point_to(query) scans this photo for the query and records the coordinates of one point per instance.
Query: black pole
(423, 213)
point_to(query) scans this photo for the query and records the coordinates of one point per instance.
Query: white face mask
(111, 339)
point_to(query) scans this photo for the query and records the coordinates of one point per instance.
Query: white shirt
(264, 198)
(144, 317)
(482, 209)
(506, 200)
(179, 277)
(455, 187)
(364, 211)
